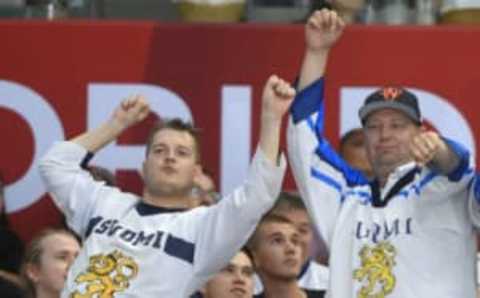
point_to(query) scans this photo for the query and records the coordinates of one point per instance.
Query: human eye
(372, 126)
(277, 240)
(399, 124)
(248, 271)
(184, 152)
(159, 150)
(228, 269)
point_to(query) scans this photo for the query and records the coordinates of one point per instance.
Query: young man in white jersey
(150, 246)
(407, 232)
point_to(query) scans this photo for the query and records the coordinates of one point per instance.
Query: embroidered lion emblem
(376, 271)
(106, 275)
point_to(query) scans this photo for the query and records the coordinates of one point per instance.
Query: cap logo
(391, 93)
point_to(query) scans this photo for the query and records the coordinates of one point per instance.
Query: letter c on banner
(46, 128)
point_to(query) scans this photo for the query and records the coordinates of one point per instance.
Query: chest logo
(375, 273)
(106, 275)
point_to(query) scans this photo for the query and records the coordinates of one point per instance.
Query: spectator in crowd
(277, 255)
(417, 210)
(47, 260)
(353, 151)
(155, 231)
(234, 281)
(312, 276)
(204, 192)
(11, 252)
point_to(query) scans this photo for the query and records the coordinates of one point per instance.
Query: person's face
(355, 154)
(58, 253)
(301, 221)
(388, 134)
(278, 252)
(233, 281)
(171, 164)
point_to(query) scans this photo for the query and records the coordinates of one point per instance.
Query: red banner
(58, 79)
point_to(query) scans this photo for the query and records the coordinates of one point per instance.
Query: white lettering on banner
(236, 130)
(46, 128)
(433, 107)
(102, 101)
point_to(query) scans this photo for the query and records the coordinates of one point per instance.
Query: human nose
(385, 132)
(239, 277)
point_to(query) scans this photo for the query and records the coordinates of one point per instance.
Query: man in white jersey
(406, 233)
(150, 246)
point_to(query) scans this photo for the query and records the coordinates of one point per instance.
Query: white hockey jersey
(132, 249)
(414, 238)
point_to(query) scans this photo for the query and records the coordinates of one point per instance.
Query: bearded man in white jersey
(152, 246)
(406, 233)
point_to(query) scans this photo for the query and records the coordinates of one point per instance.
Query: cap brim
(368, 109)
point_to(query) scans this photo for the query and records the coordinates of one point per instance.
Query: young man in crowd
(234, 281)
(150, 246)
(312, 276)
(277, 253)
(407, 229)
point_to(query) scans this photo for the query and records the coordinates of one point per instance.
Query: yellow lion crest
(376, 270)
(106, 275)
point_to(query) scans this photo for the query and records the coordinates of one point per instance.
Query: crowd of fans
(256, 242)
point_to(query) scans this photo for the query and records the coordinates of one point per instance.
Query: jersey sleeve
(438, 186)
(474, 201)
(321, 175)
(222, 229)
(72, 188)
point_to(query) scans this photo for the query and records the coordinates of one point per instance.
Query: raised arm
(131, 111)
(319, 173)
(322, 31)
(72, 188)
(276, 99)
(227, 226)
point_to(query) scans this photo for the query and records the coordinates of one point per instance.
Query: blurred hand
(323, 29)
(425, 146)
(131, 111)
(277, 97)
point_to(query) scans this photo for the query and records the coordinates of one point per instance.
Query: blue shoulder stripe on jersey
(352, 176)
(179, 248)
(325, 151)
(476, 187)
(464, 164)
(328, 180)
(426, 180)
(307, 101)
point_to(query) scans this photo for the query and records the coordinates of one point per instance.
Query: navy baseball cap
(391, 98)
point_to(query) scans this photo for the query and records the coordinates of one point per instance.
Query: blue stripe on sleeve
(307, 101)
(476, 187)
(328, 180)
(464, 164)
(352, 176)
(179, 248)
